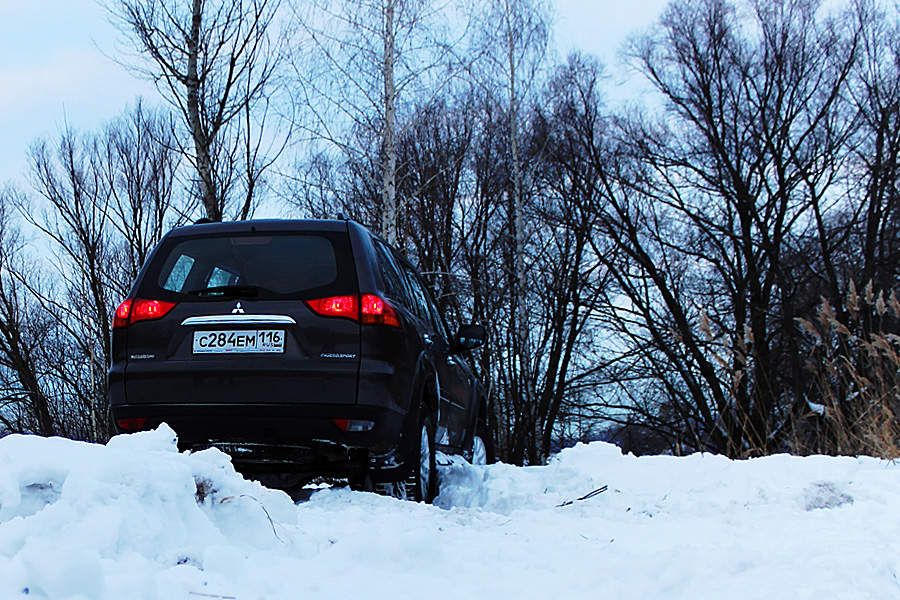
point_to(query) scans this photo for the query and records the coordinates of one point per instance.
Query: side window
(435, 315)
(221, 277)
(179, 273)
(419, 305)
(423, 303)
(390, 273)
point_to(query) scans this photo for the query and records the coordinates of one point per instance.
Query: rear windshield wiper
(234, 291)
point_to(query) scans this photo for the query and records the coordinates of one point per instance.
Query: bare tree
(747, 159)
(876, 162)
(216, 63)
(140, 168)
(510, 45)
(25, 332)
(104, 201)
(362, 67)
(571, 279)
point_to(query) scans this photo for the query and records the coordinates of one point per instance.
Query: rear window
(267, 266)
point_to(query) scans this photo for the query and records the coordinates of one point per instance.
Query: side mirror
(469, 337)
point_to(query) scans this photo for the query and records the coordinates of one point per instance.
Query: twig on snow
(268, 516)
(587, 496)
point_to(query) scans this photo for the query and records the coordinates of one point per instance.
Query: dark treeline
(713, 272)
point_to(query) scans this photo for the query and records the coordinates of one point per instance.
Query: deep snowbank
(124, 520)
(136, 519)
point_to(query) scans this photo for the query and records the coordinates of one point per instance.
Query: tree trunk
(201, 140)
(389, 193)
(531, 427)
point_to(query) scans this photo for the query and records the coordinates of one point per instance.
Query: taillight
(132, 311)
(336, 306)
(146, 310)
(376, 311)
(131, 423)
(122, 313)
(372, 309)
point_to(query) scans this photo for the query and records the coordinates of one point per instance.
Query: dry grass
(855, 363)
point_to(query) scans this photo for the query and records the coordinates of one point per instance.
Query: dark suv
(306, 346)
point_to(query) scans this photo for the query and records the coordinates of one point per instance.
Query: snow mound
(660, 485)
(86, 520)
(137, 519)
(699, 526)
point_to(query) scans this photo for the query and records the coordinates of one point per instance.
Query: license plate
(269, 341)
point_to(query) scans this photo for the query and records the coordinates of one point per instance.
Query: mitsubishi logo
(238, 309)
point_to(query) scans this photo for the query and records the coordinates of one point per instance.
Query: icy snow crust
(136, 519)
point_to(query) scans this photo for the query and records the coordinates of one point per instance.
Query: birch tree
(510, 46)
(359, 66)
(216, 63)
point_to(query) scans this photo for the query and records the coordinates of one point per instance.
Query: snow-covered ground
(126, 521)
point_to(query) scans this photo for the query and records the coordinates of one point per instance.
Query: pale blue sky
(53, 67)
(51, 71)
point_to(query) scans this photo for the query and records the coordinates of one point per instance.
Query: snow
(137, 519)
(817, 408)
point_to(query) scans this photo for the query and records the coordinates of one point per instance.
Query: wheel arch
(424, 395)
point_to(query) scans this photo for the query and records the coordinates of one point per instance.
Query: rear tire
(361, 482)
(483, 452)
(423, 478)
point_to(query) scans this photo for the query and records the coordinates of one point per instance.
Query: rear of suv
(308, 347)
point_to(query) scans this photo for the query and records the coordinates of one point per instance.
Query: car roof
(261, 225)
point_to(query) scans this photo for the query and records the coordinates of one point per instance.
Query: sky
(56, 65)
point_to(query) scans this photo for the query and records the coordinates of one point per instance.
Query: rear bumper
(243, 381)
(264, 426)
(280, 437)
